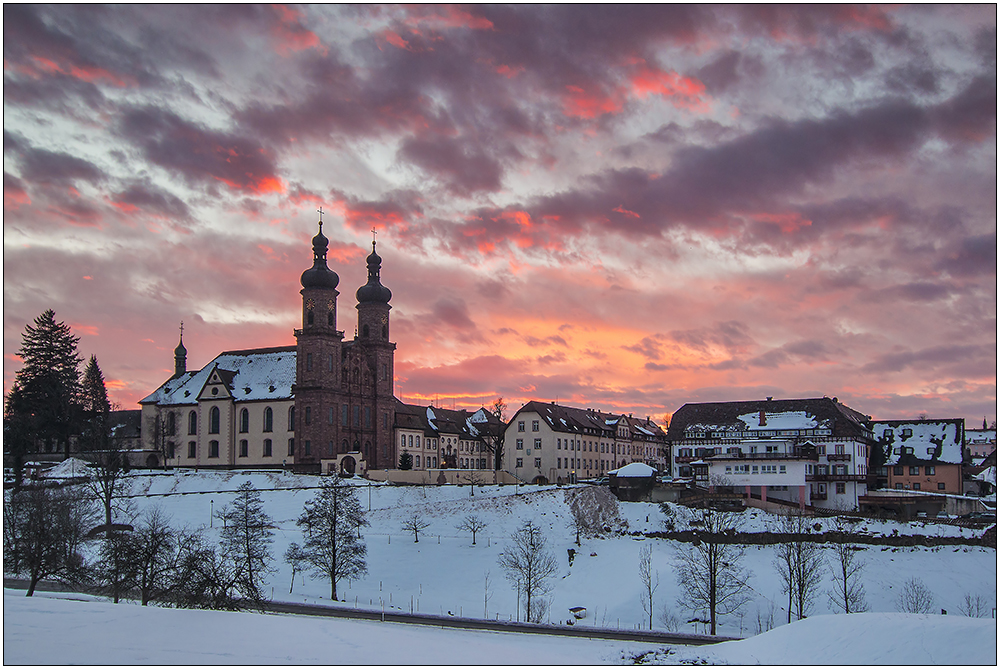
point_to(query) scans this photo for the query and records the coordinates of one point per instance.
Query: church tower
(372, 345)
(318, 361)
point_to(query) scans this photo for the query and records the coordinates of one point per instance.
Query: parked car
(945, 516)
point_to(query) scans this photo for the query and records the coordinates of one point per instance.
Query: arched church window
(213, 421)
(244, 420)
(385, 332)
(171, 426)
(345, 447)
(329, 318)
(364, 331)
(310, 318)
(291, 419)
(268, 420)
(192, 423)
(368, 447)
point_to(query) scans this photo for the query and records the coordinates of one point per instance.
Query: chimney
(763, 419)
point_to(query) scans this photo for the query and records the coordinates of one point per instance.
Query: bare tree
(915, 597)
(50, 526)
(158, 550)
(528, 564)
(848, 593)
(115, 570)
(331, 547)
(108, 482)
(416, 524)
(974, 606)
(800, 564)
(709, 570)
(487, 593)
(245, 539)
(205, 578)
(669, 619)
(650, 580)
(472, 523)
(492, 431)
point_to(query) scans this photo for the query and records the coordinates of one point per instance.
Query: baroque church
(324, 404)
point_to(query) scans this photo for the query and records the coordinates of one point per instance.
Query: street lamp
(211, 513)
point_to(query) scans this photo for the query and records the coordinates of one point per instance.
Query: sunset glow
(622, 207)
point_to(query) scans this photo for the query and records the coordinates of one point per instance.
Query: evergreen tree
(405, 460)
(49, 382)
(94, 394)
(246, 540)
(331, 549)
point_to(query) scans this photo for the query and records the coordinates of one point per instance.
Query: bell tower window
(310, 318)
(364, 331)
(329, 318)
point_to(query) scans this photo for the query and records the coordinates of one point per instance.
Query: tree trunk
(32, 584)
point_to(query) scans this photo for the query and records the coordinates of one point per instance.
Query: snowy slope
(445, 572)
(93, 632)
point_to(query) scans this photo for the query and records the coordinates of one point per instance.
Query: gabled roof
(931, 440)
(589, 421)
(435, 421)
(250, 374)
(738, 418)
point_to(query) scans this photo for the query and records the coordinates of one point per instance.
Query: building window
(368, 417)
(171, 425)
(244, 448)
(907, 432)
(309, 356)
(886, 433)
(329, 360)
(213, 421)
(213, 449)
(244, 421)
(268, 420)
(534, 426)
(520, 426)
(291, 419)
(538, 443)
(192, 449)
(916, 486)
(411, 441)
(519, 463)
(519, 444)
(345, 414)
(929, 470)
(941, 486)
(308, 447)
(416, 461)
(291, 447)
(841, 488)
(899, 486)
(192, 423)
(402, 440)
(308, 416)
(357, 415)
(821, 449)
(897, 470)
(914, 471)
(538, 463)
(558, 463)
(385, 421)
(329, 415)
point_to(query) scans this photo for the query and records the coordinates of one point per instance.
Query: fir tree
(405, 460)
(246, 540)
(331, 549)
(48, 385)
(94, 394)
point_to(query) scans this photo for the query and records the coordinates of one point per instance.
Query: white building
(805, 452)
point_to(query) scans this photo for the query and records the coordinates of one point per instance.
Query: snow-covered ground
(97, 632)
(445, 573)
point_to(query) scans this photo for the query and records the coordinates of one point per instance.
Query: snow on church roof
(258, 374)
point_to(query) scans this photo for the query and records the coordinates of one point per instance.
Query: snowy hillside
(445, 573)
(92, 632)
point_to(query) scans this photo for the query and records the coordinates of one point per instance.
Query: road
(446, 621)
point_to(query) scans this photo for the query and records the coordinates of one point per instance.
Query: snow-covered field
(445, 573)
(51, 629)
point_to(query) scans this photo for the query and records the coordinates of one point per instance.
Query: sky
(620, 207)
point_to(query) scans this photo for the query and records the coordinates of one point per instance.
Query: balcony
(861, 478)
(839, 457)
(817, 495)
(795, 455)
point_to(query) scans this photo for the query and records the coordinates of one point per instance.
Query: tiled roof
(821, 413)
(589, 421)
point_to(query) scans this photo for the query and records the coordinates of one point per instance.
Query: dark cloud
(722, 72)
(553, 340)
(199, 154)
(147, 196)
(49, 167)
(464, 168)
(934, 357)
(734, 336)
(452, 312)
(917, 291)
(973, 256)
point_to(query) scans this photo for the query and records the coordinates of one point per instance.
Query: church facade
(302, 407)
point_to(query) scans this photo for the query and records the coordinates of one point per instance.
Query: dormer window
(907, 432)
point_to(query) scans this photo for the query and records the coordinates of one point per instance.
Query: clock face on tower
(310, 303)
(330, 305)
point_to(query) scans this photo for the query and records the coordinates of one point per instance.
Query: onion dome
(180, 351)
(374, 291)
(319, 275)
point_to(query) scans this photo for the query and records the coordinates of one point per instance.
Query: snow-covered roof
(431, 417)
(634, 470)
(257, 374)
(938, 440)
(779, 420)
